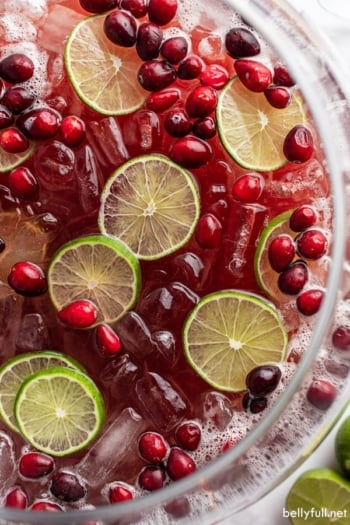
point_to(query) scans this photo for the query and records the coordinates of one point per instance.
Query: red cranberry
(46, 506)
(179, 464)
(67, 486)
(293, 279)
(72, 130)
(214, 75)
(107, 340)
(154, 75)
(162, 11)
(138, 8)
(98, 6)
(204, 128)
(162, 100)
(311, 244)
(35, 465)
(152, 447)
(16, 68)
(178, 508)
(148, 40)
(16, 498)
(254, 405)
(120, 28)
(263, 380)
(13, 141)
(119, 492)
(151, 478)
(281, 252)
(278, 96)
(23, 184)
(190, 67)
(248, 188)
(40, 124)
(241, 42)
(321, 394)
(79, 314)
(188, 435)
(191, 152)
(27, 279)
(201, 101)
(177, 123)
(341, 338)
(298, 145)
(302, 218)
(281, 76)
(254, 75)
(209, 231)
(6, 118)
(309, 302)
(174, 49)
(2, 88)
(2, 245)
(17, 99)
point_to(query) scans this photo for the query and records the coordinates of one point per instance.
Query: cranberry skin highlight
(67, 486)
(179, 464)
(298, 145)
(321, 394)
(341, 338)
(35, 465)
(201, 101)
(162, 100)
(152, 447)
(23, 184)
(16, 68)
(263, 380)
(16, 498)
(190, 67)
(248, 188)
(120, 28)
(311, 244)
(241, 42)
(13, 141)
(151, 478)
(72, 130)
(174, 49)
(118, 493)
(107, 341)
(309, 302)
(79, 314)
(27, 279)
(155, 75)
(188, 435)
(293, 278)
(138, 8)
(17, 99)
(6, 117)
(278, 96)
(148, 40)
(161, 12)
(302, 218)
(281, 252)
(209, 231)
(254, 75)
(40, 124)
(98, 6)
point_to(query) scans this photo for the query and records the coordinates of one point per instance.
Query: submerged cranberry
(151, 478)
(79, 314)
(204, 128)
(23, 184)
(46, 506)
(162, 100)
(27, 279)
(341, 338)
(107, 340)
(248, 188)
(281, 76)
(40, 124)
(254, 75)
(281, 252)
(311, 244)
(177, 123)
(321, 394)
(120, 28)
(302, 218)
(178, 508)
(263, 380)
(201, 101)
(17, 99)
(138, 8)
(67, 486)
(154, 75)
(174, 49)
(190, 67)
(309, 302)
(209, 231)
(13, 141)
(254, 405)
(278, 96)
(298, 145)
(179, 464)
(16, 498)
(293, 278)
(6, 117)
(241, 42)
(188, 435)
(148, 41)
(162, 11)
(98, 6)
(214, 75)
(191, 152)
(16, 68)
(72, 130)
(153, 447)
(119, 492)
(35, 465)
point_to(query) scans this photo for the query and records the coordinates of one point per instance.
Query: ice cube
(142, 130)
(135, 335)
(165, 351)
(10, 320)
(7, 462)
(55, 165)
(215, 408)
(106, 138)
(116, 448)
(57, 26)
(188, 268)
(87, 179)
(118, 375)
(33, 334)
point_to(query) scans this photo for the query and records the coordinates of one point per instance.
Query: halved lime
(228, 334)
(151, 204)
(98, 269)
(319, 497)
(8, 161)
(59, 410)
(251, 130)
(14, 371)
(103, 74)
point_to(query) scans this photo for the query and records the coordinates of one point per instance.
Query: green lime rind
(96, 268)
(319, 497)
(9, 161)
(151, 204)
(228, 333)
(14, 371)
(342, 446)
(59, 411)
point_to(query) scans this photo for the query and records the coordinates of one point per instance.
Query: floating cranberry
(293, 279)
(79, 314)
(321, 394)
(107, 340)
(138, 8)
(72, 130)
(162, 100)
(179, 464)
(254, 405)
(177, 123)
(281, 76)
(46, 506)
(120, 28)
(151, 478)
(204, 128)
(209, 231)
(214, 75)
(191, 152)
(16, 68)
(35, 465)
(311, 244)
(119, 492)
(201, 101)
(248, 188)
(178, 508)
(27, 279)
(302, 218)
(309, 302)
(16, 498)
(98, 6)
(23, 184)
(2, 245)
(174, 49)
(298, 145)
(254, 75)
(6, 117)
(190, 67)
(281, 252)
(278, 96)
(188, 435)
(17, 99)
(155, 75)
(153, 447)
(262, 380)
(341, 338)
(148, 40)
(241, 42)
(67, 486)
(162, 11)
(40, 124)
(13, 141)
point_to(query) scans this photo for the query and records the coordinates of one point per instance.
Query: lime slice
(319, 497)
(342, 446)
(17, 369)
(103, 75)
(251, 130)
(98, 269)
(151, 204)
(229, 333)
(59, 410)
(8, 161)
